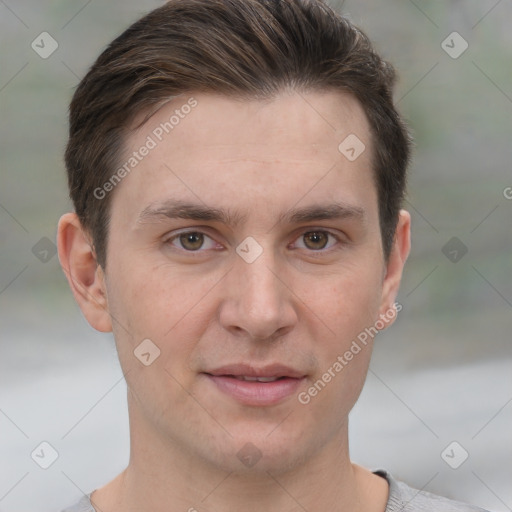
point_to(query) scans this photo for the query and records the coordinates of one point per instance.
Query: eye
(317, 240)
(191, 241)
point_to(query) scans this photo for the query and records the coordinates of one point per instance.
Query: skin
(297, 304)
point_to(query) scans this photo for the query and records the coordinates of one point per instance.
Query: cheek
(151, 306)
(157, 304)
(155, 298)
(347, 308)
(348, 302)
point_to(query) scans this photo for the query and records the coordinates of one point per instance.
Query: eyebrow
(176, 209)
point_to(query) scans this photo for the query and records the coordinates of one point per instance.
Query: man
(237, 169)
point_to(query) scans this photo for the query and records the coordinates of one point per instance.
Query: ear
(395, 265)
(85, 277)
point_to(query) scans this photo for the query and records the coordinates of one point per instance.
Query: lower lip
(254, 392)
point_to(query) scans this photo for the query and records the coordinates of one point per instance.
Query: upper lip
(245, 370)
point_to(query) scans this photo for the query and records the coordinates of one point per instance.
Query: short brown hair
(250, 49)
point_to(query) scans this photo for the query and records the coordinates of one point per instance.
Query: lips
(269, 371)
(256, 379)
(254, 386)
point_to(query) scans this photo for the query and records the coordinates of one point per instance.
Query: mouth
(255, 379)
(248, 385)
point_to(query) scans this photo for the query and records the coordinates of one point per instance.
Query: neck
(162, 477)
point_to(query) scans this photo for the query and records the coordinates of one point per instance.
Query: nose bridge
(258, 303)
(259, 287)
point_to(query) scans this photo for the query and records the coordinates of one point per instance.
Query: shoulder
(84, 505)
(403, 498)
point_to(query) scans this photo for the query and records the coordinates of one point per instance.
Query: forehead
(291, 117)
(217, 149)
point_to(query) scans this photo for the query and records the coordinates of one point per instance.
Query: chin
(260, 453)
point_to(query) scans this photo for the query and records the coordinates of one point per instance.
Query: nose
(257, 303)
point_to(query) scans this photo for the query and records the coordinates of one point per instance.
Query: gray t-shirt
(402, 498)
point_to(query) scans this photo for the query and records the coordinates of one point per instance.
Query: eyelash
(200, 251)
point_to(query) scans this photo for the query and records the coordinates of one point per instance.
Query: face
(245, 244)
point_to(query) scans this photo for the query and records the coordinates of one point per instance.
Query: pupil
(191, 241)
(319, 240)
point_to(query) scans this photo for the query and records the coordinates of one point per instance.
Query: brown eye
(191, 241)
(188, 242)
(316, 240)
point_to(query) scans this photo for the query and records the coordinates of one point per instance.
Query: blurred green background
(445, 365)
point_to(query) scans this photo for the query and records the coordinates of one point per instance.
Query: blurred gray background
(440, 375)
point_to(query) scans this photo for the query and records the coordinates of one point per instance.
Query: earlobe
(85, 277)
(395, 265)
